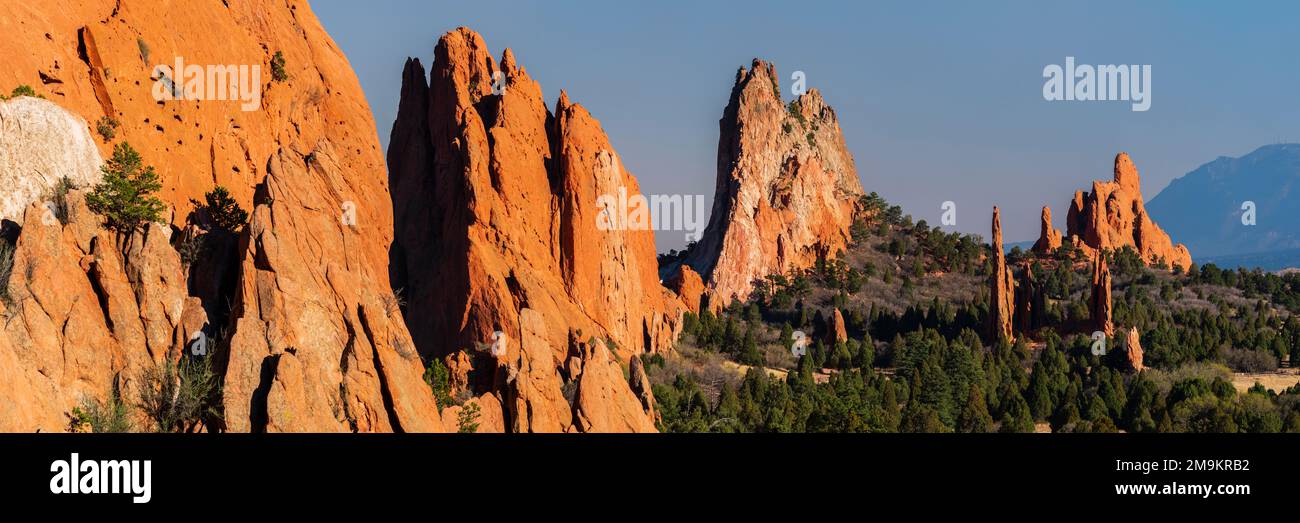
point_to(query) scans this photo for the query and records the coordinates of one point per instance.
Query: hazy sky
(937, 100)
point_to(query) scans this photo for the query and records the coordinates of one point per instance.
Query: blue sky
(937, 100)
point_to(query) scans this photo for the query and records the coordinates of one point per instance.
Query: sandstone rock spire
(1049, 239)
(835, 329)
(1134, 347)
(1031, 302)
(787, 188)
(1001, 287)
(498, 232)
(688, 286)
(1113, 216)
(1099, 302)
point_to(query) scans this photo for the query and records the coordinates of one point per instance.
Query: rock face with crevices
(495, 198)
(787, 188)
(316, 348)
(309, 336)
(41, 144)
(85, 310)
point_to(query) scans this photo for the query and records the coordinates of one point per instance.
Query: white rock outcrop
(40, 143)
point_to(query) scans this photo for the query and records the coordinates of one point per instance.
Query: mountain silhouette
(1204, 209)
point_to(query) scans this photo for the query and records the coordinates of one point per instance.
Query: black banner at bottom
(729, 473)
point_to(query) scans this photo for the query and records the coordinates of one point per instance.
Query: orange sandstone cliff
(496, 237)
(497, 245)
(294, 307)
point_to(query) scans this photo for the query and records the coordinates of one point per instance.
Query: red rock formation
(1134, 347)
(82, 306)
(1049, 239)
(490, 418)
(533, 394)
(459, 364)
(317, 336)
(835, 331)
(688, 286)
(787, 187)
(1113, 216)
(496, 205)
(1099, 303)
(309, 345)
(99, 56)
(605, 402)
(1031, 302)
(1001, 287)
(641, 386)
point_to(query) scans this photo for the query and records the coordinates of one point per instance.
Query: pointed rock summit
(835, 331)
(1134, 354)
(495, 200)
(787, 188)
(1031, 302)
(1113, 216)
(1001, 287)
(1049, 239)
(1100, 304)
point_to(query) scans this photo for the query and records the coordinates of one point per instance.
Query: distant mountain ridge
(1272, 261)
(1203, 209)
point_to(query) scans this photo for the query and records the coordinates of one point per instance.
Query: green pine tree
(224, 211)
(975, 415)
(126, 196)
